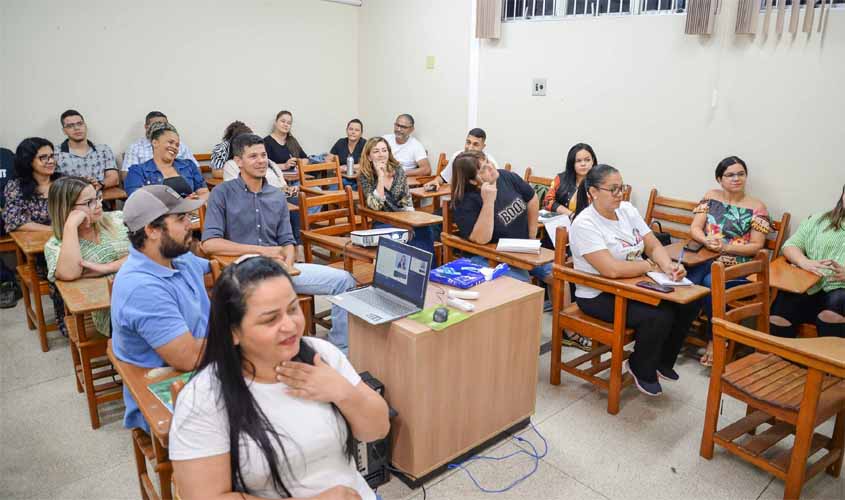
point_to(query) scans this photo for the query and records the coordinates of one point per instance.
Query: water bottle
(350, 165)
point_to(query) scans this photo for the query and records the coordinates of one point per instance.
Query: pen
(681, 256)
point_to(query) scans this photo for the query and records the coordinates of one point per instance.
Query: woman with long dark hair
(282, 146)
(819, 247)
(731, 222)
(562, 197)
(221, 153)
(267, 413)
(609, 238)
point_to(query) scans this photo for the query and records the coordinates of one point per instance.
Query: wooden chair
(540, 185)
(442, 162)
(203, 159)
(792, 385)
(315, 176)
(606, 337)
(33, 288)
(339, 212)
(508, 167)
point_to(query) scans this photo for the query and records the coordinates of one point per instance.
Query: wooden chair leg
(77, 364)
(714, 397)
(557, 337)
(88, 375)
(140, 461)
(838, 440)
(803, 435)
(617, 353)
(27, 302)
(39, 308)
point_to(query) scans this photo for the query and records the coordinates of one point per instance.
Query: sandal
(707, 358)
(577, 341)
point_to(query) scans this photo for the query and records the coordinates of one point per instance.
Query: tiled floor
(649, 450)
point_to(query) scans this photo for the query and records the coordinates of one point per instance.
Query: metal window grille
(833, 4)
(514, 10)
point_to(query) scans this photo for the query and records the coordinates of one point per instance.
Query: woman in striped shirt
(819, 247)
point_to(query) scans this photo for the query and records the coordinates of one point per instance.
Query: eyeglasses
(93, 202)
(616, 190)
(74, 125)
(735, 175)
(402, 127)
(46, 158)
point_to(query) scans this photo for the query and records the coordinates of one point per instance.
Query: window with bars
(513, 10)
(818, 3)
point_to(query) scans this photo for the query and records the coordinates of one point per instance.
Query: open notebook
(664, 279)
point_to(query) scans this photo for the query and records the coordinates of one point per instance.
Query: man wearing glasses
(407, 150)
(81, 157)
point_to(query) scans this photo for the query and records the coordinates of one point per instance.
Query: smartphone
(654, 286)
(693, 246)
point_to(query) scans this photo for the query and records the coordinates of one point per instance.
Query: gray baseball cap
(151, 202)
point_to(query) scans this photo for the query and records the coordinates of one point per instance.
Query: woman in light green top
(819, 247)
(86, 242)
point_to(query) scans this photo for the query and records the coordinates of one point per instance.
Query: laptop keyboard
(370, 296)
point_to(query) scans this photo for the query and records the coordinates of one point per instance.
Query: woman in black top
(351, 145)
(489, 204)
(561, 197)
(282, 146)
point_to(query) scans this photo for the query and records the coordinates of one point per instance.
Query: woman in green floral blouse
(86, 242)
(730, 222)
(385, 188)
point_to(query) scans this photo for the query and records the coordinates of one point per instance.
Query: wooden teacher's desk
(457, 388)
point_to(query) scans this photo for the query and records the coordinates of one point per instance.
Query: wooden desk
(30, 244)
(213, 182)
(404, 220)
(459, 387)
(342, 245)
(419, 194)
(226, 260)
(518, 260)
(83, 297)
(352, 177)
(156, 415)
(114, 193)
(690, 258)
(789, 278)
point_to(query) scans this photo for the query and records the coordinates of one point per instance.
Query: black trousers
(660, 330)
(798, 308)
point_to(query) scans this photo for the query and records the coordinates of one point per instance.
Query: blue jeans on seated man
(421, 238)
(700, 275)
(315, 279)
(539, 272)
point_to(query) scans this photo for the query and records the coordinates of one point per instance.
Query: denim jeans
(315, 279)
(539, 272)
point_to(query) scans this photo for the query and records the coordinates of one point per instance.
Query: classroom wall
(395, 39)
(203, 63)
(641, 92)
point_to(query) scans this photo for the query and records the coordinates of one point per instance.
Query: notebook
(664, 279)
(518, 245)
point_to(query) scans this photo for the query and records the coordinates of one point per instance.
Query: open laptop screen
(402, 270)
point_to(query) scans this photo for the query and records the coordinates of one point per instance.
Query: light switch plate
(538, 87)
(429, 62)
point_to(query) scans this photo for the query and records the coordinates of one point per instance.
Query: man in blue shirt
(247, 215)
(159, 306)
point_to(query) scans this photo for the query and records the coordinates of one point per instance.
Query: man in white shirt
(142, 149)
(476, 141)
(407, 150)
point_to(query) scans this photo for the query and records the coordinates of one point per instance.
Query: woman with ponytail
(268, 414)
(609, 238)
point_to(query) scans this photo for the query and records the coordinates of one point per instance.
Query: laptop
(399, 284)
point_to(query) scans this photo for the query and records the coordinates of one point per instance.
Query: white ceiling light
(356, 3)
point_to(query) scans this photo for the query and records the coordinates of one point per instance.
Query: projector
(369, 237)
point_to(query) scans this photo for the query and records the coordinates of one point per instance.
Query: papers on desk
(551, 224)
(664, 279)
(161, 390)
(518, 245)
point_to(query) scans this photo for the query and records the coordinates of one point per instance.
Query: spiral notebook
(664, 279)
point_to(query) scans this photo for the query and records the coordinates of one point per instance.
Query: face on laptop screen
(402, 270)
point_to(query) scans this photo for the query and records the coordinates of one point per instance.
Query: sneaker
(647, 388)
(547, 306)
(668, 374)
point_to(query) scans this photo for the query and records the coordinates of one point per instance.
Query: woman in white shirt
(608, 238)
(268, 414)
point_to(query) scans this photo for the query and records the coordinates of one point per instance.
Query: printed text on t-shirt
(512, 211)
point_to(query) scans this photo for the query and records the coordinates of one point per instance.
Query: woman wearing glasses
(86, 242)
(26, 201)
(730, 222)
(609, 238)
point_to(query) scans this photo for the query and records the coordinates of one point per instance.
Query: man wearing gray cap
(159, 306)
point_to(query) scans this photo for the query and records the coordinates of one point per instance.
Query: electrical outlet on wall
(538, 87)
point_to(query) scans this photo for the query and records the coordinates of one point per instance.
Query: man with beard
(159, 306)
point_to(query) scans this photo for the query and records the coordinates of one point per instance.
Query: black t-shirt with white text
(510, 215)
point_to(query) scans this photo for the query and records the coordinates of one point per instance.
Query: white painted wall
(395, 38)
(203, 63)
(639, 91)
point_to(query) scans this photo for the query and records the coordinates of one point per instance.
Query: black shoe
(648, 388)
(668, 374)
